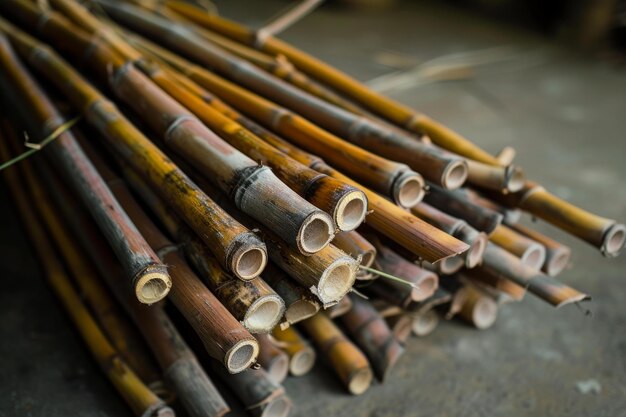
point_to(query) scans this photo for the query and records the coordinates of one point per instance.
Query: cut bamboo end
(514, 178)
(301, 310)
(274, 360)
(534, 256)
(408, 189)
(450, 265)
(336, 280)
(153, 285)
(350, 211)
(427, 284)
(360, 380)
(264, 314)
(278, 407)
(302, 361)
(241, 356)
(557, 260)
(401, 326)
(476, 251)
(613, 240)
(455, 175)
(278, 368)
(424, 323)
(249, 258)
(315, 233)
(479, 309)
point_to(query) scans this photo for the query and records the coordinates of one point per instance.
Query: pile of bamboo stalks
(276, 207)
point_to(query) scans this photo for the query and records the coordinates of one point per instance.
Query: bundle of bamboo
(241, 193)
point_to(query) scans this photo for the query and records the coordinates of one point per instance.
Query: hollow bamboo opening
(316, 232)
(360, 381)
(450, 265)
(302, 361)
(534, 256)
(249, 262)
(351, 210)
(278, 368)
(279, 407)
(455, 175)
(515, 178)
(427, 287)
(152, 287)
(263, 315)
(558, 262)
(477, 249)
(613, 240)
(336, 281)
(485, 312)
(241, 356)
(408, 190)
(300, 310)
(425, 323)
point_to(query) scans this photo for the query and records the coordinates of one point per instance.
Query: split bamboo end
(455, 175)
(153, 285)
(264, 314)
(241, 356)
(408, 189)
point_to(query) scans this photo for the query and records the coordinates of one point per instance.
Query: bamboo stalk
(510, 215)
(259, 394)
(503, 289)
(140, 399)
(440, 296)
(499, 261)
(605, 234)
(390, 178)
(355, 245)
(147, 275)
(557, 254)
(370, 332)
(342, 307)
(479, 309)
(301, 354)
(503, 179)
(400, 325)
(348, 362)
(531, 253)
(447, 266)
(233, 245)
(424, 322)
(391, 110)
(272, 359)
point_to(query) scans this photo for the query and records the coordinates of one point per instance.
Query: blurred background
(545, 77)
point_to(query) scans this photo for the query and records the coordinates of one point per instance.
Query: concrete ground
(566, 116)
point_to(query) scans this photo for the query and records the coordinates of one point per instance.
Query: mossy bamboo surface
(346, 360)
(137, 395)
(557, 254)
(274, 360)
(143, 268)
(393, 111)
(228, 239)
(301, 355)
(532, 253)
(371, 333)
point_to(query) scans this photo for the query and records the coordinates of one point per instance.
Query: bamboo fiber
(370, 332)
(272, 359)
(557, 254)
(301, 354)
(391, 110)
(390, 178)
(479, 309)
(605, 234)
(239, 250)
(531, 253)
(147, 275)
(140, 399)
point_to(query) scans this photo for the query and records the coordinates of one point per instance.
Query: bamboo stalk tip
(408, 189)
(360, 381)
(613, 241)
(455, 175)
(350, 211)
(302, 361)
(241, 356)
(249, 258)
(263, 315)
(153, 286)
(476, 251)
(515, 179)
(316, 232)
(279, 407)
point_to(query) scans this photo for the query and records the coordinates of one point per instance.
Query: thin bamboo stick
(140, 399)
(479, 309)
(370, 332)
(147, 275)
(557, 254)
(233, 245)
(531, 253)
(605, 234)
(301, 355)
(393, 111)
(348, 362)
(272, 359)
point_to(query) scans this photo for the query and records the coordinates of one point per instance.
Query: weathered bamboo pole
(393, 111)
(457, 228)
(557, 254)
(272, 359)
(605, 234)
(500, 287)
(457, 205)
(301, 355)
(438, 167)
(148, 276)
(531, 253)
(356, 246)
(370, 332)
(237, 249)
(140, 399)
(502, 179)
(347, 361)
(479, 309)
(510, 215)
(249, 184)
(440, 296)
(342, 307)
(259, 394)
(507, 265)
(390, 178)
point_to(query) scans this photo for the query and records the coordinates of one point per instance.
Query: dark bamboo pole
(445, 170)
(147, 274)
(605, 234)
(371, 333)
(301, 355)
(233, 244)
(393, 111)
(510, 215)
(272, 359)
(531, 253)
(390, 178)
(138, 396)
(557, 254)
(346, 360)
